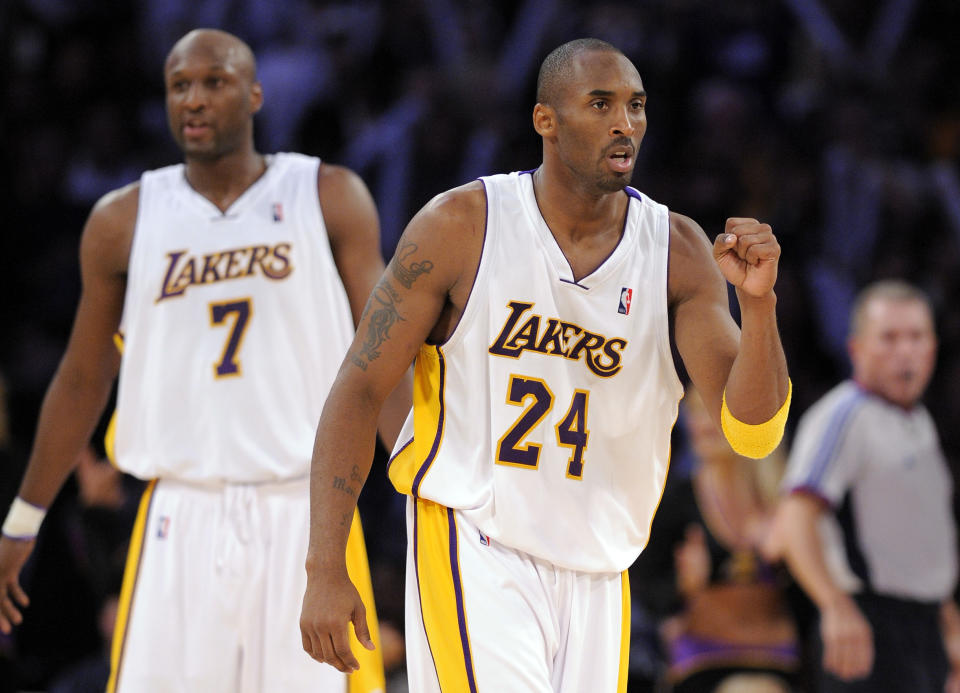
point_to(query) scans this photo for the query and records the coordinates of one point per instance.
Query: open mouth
(195, 128)
(621, 160)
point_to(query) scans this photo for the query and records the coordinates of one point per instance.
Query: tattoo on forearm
(345, 519)
(382, 311)
(404, 268)
(340, 484)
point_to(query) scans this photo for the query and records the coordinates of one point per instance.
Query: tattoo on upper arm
(383, 314)
(404, 269)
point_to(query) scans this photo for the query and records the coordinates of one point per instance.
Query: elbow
(755, 440)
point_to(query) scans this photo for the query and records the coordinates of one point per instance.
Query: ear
(256, 97)
(544, 120)
(853, 346)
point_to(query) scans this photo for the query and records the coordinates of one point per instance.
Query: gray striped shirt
(884, 474)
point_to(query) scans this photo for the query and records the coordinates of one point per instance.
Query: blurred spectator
(867, 527)
(725, 616)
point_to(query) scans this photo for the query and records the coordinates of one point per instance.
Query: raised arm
(419, 297)
(745, 366)
(80, 388)
(354, 232)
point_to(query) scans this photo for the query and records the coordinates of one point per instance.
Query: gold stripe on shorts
(624, 632)
(437, 561)
(370, 676)
(130, 572)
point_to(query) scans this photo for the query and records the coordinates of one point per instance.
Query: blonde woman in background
(726, 625)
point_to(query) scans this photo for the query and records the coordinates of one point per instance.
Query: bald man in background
(232, 283)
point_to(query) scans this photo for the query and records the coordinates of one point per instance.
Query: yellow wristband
(755, 440)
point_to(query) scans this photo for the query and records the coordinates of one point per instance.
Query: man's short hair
(886, 289)
(556, 67)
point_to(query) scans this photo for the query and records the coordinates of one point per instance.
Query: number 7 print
(229, 364)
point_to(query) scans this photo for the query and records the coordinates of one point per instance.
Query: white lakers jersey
(546, 416)
(234, 326)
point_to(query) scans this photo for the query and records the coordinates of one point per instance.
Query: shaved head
(557, 68)
(220, 47)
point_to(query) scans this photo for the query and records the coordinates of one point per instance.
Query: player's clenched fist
(748, 252)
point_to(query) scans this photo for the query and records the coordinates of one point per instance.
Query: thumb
(723, 243)
(359, 619)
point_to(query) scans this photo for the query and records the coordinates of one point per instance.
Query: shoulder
(448, 232)
(840, 409)
(464, 204)
(346, 203)
(119, 204)
(334, 182)
(115, 214)
(687, 238)
(108, 233)
(453, 221)
(691, 265)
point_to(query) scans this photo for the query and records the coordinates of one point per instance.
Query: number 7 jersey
(234, 324)
(546, 416)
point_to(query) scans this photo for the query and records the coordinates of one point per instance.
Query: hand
(847, 640)
(692, 562)
(100, 483)
(13, 554)
(329, 604)
(748, 253)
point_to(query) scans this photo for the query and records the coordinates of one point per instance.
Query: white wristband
(23, 520)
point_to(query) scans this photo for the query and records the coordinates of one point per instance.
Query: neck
(572, 210)
(224, 179)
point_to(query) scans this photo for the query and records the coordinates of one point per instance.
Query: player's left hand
(747, 253)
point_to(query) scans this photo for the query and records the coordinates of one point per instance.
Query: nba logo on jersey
(163, 526)
(626, 297)
(484, 539)
(277, 211)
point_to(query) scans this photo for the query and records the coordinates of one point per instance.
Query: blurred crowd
(837, 121)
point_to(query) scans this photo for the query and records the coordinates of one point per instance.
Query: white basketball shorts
(213, 590)
(485, 618)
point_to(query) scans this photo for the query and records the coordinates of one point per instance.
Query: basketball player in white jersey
(234, 281)
(540, 308)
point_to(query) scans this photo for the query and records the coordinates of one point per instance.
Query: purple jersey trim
(415, 489)
(458, 590)
(397, 454)
(576, 282)
(19, 537)
(689, 652)
(813, 492)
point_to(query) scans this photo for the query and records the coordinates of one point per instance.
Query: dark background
(837, 121)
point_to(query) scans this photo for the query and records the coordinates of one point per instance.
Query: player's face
(895, 350)
(210, 101)
(601, 120)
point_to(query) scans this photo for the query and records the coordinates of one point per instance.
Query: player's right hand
(330, 604)
(13, 554)
(847, 640)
